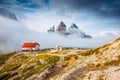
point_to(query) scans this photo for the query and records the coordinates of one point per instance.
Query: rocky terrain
(102, 63)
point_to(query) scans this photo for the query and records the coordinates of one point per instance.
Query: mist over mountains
(14, 32)
(81, 27)
(72, 30)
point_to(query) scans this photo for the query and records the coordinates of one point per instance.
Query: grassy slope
(66, 64)
(23, 65)
(101, 59)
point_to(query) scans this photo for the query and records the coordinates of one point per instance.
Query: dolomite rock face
(73, 30)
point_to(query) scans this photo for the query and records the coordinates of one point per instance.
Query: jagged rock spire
(74, 26)
(61, 27)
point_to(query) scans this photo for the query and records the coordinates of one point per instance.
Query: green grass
(23, 58)
(68, 57)
(6, 76)
(106, 45)
(57, 52)
(20, 57)
(91, 65)
(48, 58)
(3, 58)
(87, 53)
(36, 70)
(53, 59)
(98, 65)
(27, 69)
(112, 63)
(65, 51)
(10, 67)
(103, 65)
(61, 52)
(90, 52)
(95, 51)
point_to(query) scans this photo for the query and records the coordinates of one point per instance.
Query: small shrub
(53, 59)
(89, 52)
(91, 65)
(35, 70)
(98, 65)
(38, 62)
(5, 76)
(14, 74)
(106, 45)
(111, 63)
(27, 69)
(69, 56)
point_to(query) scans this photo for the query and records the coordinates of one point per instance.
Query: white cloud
(12, 34)
(108, 33)
(41, 21)
(35, 25)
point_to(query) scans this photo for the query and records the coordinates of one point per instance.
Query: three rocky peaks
(72, 30)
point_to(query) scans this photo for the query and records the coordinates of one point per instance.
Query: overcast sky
(99, 18)
(89, 15)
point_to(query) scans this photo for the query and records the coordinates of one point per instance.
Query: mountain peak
(74, 26)
(52, 29)
(73, 30)
(61, 27)
(62, 24)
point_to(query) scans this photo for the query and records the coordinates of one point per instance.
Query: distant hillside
(102, 63)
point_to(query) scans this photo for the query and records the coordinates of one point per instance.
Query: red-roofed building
(31, 46)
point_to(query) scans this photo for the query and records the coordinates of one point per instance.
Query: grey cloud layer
(105, 8)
